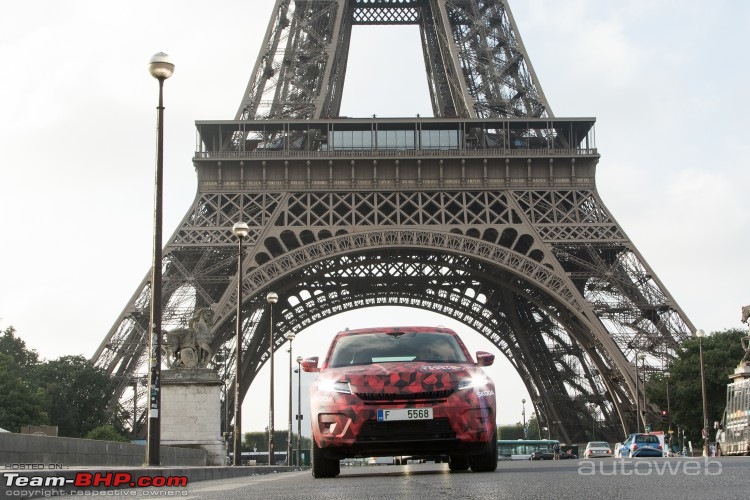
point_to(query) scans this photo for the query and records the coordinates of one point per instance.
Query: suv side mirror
(310, 365)
(485, 358)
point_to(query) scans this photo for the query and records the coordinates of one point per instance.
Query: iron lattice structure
(487, 213)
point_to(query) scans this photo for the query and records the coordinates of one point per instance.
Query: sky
(665, 79)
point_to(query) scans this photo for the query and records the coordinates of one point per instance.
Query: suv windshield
(364, 349)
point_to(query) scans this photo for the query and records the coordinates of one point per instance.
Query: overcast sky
(666, 80)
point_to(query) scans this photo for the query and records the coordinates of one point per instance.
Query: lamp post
(160, 68)
(593, 421)
(700, 334)
(225, 356)
(669, 415)
(535, 417)
(299, 407)
(637, 399)
(290, 337)
(642, 357)
(240, 229)
(271, 298)
(135, 405)
(523, 414)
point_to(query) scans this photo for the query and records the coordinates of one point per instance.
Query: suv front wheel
(487, 460)
(322, 466)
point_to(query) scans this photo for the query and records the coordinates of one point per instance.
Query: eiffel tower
(487, 213)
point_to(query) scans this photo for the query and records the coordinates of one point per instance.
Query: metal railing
(396, 153)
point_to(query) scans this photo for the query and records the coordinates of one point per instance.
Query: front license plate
(405, 414)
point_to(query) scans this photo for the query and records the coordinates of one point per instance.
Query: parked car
(549, 455)
(641, 445)
(407, 391)
(596, 449)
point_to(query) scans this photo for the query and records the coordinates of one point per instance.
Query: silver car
(596, 449)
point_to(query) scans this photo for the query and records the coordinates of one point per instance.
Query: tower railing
(397, 153)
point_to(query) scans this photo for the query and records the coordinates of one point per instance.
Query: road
(673, 478)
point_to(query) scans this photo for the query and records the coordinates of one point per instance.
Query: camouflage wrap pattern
(461, 396)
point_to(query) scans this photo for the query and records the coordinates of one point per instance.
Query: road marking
(239, 482)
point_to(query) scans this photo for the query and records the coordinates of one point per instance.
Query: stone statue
(746, 340)
(190, 347)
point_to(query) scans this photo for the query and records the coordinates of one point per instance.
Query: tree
(106, 433)
(76, 394)
(533, 431)
(70, 392)
(14, 347)
(514, 431)
(259, 441)
(20, 404)
(20, 401)
(722, 351)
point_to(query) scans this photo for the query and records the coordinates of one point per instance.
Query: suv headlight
(472, 382)
(334, 386)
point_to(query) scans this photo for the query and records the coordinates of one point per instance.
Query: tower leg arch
(336, 275)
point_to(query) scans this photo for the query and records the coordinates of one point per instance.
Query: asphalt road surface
(608, 478)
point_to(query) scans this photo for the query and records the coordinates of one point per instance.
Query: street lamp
(225, 357)
(523, 413)
(135, 405)
(642, 357)
(290, 337)
(669, 415)
(593, 421)
(700, 334)
(637, 399)
(271, 298)
(299, 407)
(240, 230)
(160, 68)
(535, 417)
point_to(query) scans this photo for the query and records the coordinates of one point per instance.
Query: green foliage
(14, 347)
(258, 441)
(76, 394)
(106, 433)
(515, 431)
(20, 404)
(722, 351)
(533, 431)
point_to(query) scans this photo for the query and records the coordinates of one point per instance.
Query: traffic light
(664, 416)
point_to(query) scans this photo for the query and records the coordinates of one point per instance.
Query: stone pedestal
(191, 411)
(742, 372)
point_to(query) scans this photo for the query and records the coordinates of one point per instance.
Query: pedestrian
(556, 451)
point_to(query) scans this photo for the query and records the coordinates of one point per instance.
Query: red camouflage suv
(402, 391)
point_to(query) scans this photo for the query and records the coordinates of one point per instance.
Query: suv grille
(403, 430)
(388, 397)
